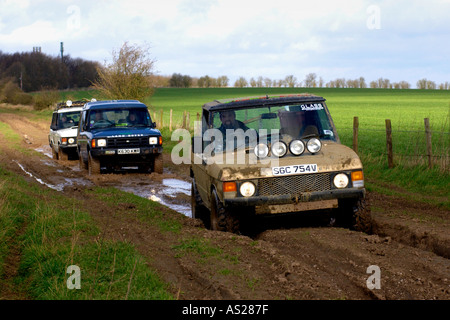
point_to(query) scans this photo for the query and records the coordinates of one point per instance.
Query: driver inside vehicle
(294, 124)
(132, 119)
(66, 122)
(96, 116)
(228, 119)
(235, 139)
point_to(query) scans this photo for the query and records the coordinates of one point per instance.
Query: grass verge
(55, 234)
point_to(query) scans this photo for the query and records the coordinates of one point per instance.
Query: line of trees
(178, 80)
(311, 81)
(35, 71)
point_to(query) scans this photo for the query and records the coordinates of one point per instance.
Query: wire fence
(427, 147)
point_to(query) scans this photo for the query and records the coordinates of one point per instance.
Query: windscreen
(124, 117)
(295, 121)
(68, 119)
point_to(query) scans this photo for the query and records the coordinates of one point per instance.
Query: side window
(53, 124)
(81, 126)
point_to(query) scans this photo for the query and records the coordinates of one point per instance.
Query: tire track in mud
(305, 261)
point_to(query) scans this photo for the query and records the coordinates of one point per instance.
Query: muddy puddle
(173, 193)
(46, 150)
(165, 189)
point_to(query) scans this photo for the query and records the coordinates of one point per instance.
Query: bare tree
(241, 82)
(129, 74)
(290, 81)
(362, 82)
(259, 82)
(222, 81)
(321, 82)
(267, 82)
(310, 80)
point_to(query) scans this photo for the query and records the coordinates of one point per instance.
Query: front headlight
(297, 147)
(314, 145)
(340, 181)
(247, 189)
(153, 140)
(71, 140)
(101, 143)
(279, 149)
(261, 150)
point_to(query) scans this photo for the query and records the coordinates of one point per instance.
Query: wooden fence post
(184, 119)
(170, 121)
(188, 119)
(389, 143)
(355, 133)
(428, 140)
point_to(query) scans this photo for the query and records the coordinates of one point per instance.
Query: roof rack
(72, 104)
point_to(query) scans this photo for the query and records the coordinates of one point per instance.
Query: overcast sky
(395, 39)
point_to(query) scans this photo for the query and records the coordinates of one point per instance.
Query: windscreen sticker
(310, 107)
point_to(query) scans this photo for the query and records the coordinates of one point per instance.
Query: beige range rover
(273, 155)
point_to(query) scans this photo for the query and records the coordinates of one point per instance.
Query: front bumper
(350, 193)
(111, 155)
(68, 147)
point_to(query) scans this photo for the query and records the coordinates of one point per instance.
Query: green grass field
(405, 108)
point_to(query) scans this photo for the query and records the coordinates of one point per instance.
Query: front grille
(127, 142)
(294, 185)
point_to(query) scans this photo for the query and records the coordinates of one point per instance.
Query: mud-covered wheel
(355, 215)
(158, 163)
(198, 210)
(221, 218)
(82, 165)
(62, 155)
(54, 153)
(93, 165)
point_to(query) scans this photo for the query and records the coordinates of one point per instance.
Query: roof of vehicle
(113, 103)
(67, 109)
(245, 102)
(70, 104)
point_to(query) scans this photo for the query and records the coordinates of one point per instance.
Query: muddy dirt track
(280, 258)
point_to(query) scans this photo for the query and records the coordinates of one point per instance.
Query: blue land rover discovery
(116, 134)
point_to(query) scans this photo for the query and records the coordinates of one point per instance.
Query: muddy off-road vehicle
(273, 155)
(62, 137)
(117, 134)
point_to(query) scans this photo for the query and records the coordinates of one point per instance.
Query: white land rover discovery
(63, 129)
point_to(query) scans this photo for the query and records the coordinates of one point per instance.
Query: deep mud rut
(281, 258)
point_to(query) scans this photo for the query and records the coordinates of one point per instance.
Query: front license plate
(128, 151)
(296, 169)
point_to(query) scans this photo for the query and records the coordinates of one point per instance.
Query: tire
(355, 215)
(81, 163)
(221, 218)
(145, 168)
(198, 210)
(62, 155)
(93, 165)
(54, 154)
(158, 163)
